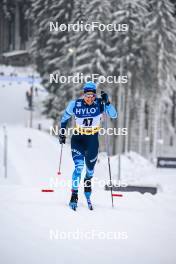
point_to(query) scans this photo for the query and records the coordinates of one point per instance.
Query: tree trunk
(127, 115)
(141, 125)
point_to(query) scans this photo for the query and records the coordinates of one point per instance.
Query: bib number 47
(87, 121)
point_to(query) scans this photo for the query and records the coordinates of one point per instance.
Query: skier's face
(89, 97)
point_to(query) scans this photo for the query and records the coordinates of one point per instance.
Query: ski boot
(87, 192)
(74, 200)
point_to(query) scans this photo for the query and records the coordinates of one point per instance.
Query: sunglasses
(89, 95)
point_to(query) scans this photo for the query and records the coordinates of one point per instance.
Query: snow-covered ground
(37, 227)
(144, 224)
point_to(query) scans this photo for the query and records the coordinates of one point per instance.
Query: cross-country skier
(84, 143)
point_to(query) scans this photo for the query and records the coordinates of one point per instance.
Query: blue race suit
(84, 144)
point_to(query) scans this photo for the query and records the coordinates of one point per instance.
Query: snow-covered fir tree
(68, 60)
(162, 39)
(128, 52)
(48, 46)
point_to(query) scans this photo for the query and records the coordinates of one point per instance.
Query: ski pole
(107, 151)
(109, 166)
(60, 160)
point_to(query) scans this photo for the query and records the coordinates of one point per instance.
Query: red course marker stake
(45, 190)
(117, 195)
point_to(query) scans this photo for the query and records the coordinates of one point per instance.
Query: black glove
(62, 139)
(105, 98)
